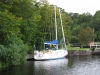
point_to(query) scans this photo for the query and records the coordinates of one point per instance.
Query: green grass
(77, 48)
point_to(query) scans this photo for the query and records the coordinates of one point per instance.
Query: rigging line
(47, 29)
(48, 23)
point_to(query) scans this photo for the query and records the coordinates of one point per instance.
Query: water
(77, 65)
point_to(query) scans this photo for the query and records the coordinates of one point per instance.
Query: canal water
(76, 65)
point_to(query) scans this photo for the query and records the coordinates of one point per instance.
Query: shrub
(13, 54)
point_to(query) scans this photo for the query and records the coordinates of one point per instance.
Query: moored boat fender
(43, 51)
(50, 51)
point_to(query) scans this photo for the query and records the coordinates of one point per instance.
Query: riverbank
(79, 52)
(92, 51)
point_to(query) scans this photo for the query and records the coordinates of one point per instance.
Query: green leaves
(9, 27)
(95, 23)
(14, 54)
(86, 36)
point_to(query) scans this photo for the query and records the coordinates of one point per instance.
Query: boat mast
(62, 28)
(55, 23)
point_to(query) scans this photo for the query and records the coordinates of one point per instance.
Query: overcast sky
(78, 6)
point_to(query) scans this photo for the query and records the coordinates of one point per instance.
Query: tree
(86, 36)
(12, 49)
(95, 23)
(9, 27)
(76, 30)
(29, 11)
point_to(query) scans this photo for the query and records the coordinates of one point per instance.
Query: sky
(78, 6)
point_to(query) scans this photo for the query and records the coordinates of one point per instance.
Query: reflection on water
(51, 67)
(84, 65)
(77, 65)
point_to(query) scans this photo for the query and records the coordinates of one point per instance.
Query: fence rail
(95, 45)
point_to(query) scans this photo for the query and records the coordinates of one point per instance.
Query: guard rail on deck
(95, 45)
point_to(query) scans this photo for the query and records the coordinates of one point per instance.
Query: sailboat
(52, 52)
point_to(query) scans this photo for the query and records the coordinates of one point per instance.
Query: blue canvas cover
(54, 42)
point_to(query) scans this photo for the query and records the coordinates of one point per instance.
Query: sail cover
(54, 42)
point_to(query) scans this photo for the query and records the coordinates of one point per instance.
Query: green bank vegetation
(24, 23)
(77, 48)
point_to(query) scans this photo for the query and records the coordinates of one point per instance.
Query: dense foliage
(13, 54)
(86, 36)
(24, 23)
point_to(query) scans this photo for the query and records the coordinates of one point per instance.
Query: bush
(2, 55)
(14, 54)
(74, 39)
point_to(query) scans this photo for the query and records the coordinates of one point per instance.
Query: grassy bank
(77, 48)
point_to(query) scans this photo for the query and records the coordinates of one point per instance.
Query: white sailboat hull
(52, 54)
